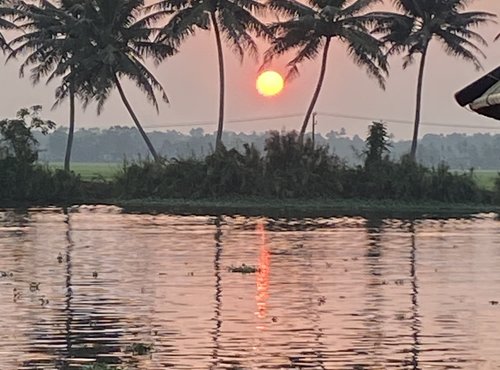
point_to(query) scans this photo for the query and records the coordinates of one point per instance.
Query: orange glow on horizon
(270, 83)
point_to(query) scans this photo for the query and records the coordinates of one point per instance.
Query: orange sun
(270, 83)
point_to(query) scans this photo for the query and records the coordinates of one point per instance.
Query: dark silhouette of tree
(121, 40)
(232, 19)
(53, 39)
(377, 144)
(16, 135)
(420, 21)
(6, 12)
(310, 29)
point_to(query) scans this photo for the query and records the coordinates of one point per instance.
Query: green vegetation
(232, 21)
(289, 170)
(299, 208)
(139, 349)
(418, 23)
(90, 171)
(485, 179)
(101, 366)
(91, 46)
(112, 145)
(243, 269)
(315, 25)
(20, 178)
(287, 175)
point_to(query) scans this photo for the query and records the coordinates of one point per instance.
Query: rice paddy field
(484, 178)
(89, 171)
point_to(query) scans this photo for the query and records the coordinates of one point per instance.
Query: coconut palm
(52, 41)
(121, 40)
(312, 26)
(232, 19)
(6, 11)
(420, 21)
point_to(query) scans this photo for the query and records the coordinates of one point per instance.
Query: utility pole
(314, 123)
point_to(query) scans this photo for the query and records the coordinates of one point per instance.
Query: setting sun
(270, 83)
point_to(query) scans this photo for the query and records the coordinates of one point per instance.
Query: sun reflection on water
(263, 272)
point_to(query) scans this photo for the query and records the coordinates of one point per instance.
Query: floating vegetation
(321, 300)
(101, 366)
(140, 349)
(16, 295)
(243, 269)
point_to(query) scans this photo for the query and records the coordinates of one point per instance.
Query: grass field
(89, 171)
(484, 178)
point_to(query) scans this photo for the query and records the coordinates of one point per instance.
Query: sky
(191, 81)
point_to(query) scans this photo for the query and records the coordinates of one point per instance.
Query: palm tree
(310, 29)
(53, 38)
(6, 11)
(232, 19)
(419, 22)
(121, 40)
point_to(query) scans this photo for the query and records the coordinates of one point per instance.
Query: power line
(406, 122)
(236, 120)
(325, 114)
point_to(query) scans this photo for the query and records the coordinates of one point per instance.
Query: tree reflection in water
(91, 333)
(416, 324)
(218, 293)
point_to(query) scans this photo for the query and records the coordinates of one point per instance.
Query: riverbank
(303, 207)
(277, 208)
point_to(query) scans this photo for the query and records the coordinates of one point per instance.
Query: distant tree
(121, 39)
(420, 21)
(232, 19)
(311, 27)
(377, 144)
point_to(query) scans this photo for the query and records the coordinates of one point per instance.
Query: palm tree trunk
(413, 152)
(316, 92)
(69, 145)
(136, 121)
(220, 127)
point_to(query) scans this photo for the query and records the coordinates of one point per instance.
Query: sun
(270, 83)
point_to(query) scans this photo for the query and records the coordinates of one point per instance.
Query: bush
(20, 178)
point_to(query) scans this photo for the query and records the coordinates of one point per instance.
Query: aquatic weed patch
(243, 269)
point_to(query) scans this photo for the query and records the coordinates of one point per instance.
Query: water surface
(93, 283)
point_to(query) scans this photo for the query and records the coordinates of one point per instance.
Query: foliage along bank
(285, 170)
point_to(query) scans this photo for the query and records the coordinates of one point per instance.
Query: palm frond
(309, 26)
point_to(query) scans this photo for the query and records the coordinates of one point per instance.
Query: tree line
(90, 46)
(119, 143)
(286, 168)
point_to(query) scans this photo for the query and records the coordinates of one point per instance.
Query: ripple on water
(152, 291)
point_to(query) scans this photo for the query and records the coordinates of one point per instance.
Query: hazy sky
(191, 81)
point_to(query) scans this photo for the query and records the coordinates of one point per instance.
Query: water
(339, 293)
